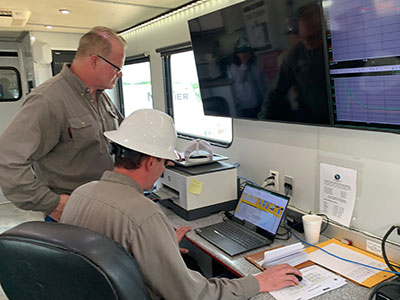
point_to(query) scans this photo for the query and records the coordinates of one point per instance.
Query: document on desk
(291, 254)
(362, 275)
(316, 281)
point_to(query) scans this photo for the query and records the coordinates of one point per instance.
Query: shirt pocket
(83, 131)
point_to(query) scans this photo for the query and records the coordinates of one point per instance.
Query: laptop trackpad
(221, 241)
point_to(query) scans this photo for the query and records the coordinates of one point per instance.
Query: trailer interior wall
(57, 41)
(24, 66)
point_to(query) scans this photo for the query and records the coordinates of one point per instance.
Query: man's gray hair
(97, 41)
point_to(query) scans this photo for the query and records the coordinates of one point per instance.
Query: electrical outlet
(274, 187)
(288, 185)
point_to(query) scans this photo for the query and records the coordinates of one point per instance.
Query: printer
(200, 190)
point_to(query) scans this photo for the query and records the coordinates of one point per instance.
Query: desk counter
(240, 266)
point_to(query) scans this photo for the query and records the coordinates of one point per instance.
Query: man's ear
(148, 163)
(93, 61)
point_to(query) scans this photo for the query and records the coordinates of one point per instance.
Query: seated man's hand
(277, 277)
(180, 233)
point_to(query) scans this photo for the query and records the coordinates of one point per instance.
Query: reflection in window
(188, 108)
(136, 87)
(10, 84)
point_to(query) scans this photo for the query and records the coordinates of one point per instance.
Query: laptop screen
(261, 208)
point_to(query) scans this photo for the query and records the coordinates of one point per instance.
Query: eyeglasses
(166, 162)
(110, 63)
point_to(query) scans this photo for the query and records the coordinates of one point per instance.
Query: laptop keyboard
(243, 238)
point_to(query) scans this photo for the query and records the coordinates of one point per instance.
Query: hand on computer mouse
(299, 278)
(277, 277)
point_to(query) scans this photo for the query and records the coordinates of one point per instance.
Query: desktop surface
(239, 265)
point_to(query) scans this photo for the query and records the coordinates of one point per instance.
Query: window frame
(136, 59)
(165, 54)
(59, 58)
(18, 81)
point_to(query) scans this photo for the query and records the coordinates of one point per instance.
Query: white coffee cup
(312, 228)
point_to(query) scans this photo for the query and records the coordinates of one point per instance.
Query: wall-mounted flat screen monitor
(264, 60)
(364, 62)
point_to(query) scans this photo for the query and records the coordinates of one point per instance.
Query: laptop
(254, 223)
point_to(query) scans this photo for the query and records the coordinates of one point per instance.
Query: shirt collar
(74, 80)
(78, 84)
(122, 179)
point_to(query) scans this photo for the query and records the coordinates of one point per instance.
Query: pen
(69, 132)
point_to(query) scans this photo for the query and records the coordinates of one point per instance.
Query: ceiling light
(48, 26)
(159, 18)
(64, 11)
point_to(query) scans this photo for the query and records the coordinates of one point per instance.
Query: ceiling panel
(86, 14)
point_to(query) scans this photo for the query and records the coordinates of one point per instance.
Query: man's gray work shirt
(116, 207)
(58, 132)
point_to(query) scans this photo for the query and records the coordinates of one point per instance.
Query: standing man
(116, 207)
(55, 143)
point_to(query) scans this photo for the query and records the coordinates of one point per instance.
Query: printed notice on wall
(337, 192)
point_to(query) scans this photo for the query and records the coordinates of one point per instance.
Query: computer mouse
(299, 278)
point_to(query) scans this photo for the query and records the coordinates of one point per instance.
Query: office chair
(53, 261)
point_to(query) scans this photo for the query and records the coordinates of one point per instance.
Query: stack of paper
(292, 255)
(316, 281)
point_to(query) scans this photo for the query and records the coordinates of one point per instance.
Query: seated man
(116, 207)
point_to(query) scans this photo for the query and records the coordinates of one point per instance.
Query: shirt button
(83, 123)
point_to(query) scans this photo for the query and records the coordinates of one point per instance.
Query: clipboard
(370, 281)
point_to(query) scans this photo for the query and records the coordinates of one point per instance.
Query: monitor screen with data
(333, 63)
(364, 62)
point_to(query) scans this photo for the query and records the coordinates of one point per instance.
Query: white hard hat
(148, 131)
(198, 151)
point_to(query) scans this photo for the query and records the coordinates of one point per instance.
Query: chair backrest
(43, 260)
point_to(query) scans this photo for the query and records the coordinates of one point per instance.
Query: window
(10, 84)
(136, 86)
(187, 105)
(61, 57)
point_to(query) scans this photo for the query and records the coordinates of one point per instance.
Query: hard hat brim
(152, 150)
